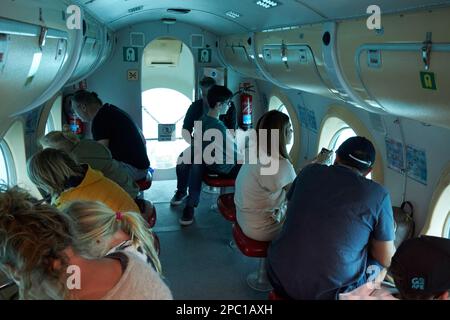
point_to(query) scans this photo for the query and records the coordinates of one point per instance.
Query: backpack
(404, 222)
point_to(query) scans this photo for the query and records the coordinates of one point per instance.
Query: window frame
(338, 118)
(9, 162)
(294, 153)
(438, 221)
(51, 111)
(446, 233)
(50, 124)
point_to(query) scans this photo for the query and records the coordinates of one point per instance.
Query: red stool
(156, 243)
(227, 208)
(213, 180)
(252, 248)
(273, 296)
(148, 211)
(145, 183)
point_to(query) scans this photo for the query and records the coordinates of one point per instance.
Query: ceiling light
(233, 14)
(267, 3)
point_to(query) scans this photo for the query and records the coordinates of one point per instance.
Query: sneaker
(188, 216)
(178, 198)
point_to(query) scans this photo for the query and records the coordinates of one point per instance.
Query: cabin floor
(198, 262)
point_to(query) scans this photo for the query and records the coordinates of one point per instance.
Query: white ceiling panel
(341, 9)
(210, 14)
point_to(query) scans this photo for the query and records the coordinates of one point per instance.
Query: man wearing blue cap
(339, 228)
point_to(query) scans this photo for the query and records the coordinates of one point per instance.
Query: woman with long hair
(40, 252)
(58, 174)
(93, 153)
(101, 231)
(260, 194)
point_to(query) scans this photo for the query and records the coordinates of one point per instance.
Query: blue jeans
(195, 184)
(183, 171)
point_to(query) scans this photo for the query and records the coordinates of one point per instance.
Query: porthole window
(7, 171)
(439, 223)
(51, 114)
(338, 125)
(339, 137)
(50, 124)
(276, 104)
(447, 227)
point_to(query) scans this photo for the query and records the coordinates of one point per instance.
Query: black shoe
(178, 198)
(188, 216)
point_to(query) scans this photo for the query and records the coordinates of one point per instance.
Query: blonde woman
(39, 251)
(261, 198)
(101, 231)
(58, 174)
(96, 155)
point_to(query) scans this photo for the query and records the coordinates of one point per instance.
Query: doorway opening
(168, 89)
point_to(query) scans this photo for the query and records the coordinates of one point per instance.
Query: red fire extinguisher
(76, 126)
(246, 105)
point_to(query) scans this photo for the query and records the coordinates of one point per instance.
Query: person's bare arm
(382, 251)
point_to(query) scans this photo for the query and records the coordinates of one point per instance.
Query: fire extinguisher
(76, 126)
(246, 105)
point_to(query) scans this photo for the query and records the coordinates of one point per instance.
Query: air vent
(135, 9)
(197, 41)
(137, 39)
(163, 52)
(178, 11)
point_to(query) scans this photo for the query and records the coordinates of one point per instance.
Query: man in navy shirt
(115, 129)
(337, 224)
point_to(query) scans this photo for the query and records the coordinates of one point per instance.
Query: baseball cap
(422, 265)
(357, 151)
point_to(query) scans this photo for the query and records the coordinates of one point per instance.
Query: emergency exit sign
(428, 80)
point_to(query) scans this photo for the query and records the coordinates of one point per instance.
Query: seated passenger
(338, 223)
(115, 129)
(58, 174)
(421, 271)
(261, 198)
(96, 155)
(41, 254)
(225, 153)
(195, 112)
(101, 231)
(221, 158)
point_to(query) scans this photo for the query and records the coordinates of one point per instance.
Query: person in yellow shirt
(58, 174)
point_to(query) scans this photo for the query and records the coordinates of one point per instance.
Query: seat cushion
(249, 247)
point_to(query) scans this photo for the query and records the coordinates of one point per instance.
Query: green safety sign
(204, 55)
(428, 80)
(130, 54)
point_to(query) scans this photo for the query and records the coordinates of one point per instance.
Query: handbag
(404, 222)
